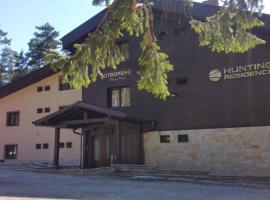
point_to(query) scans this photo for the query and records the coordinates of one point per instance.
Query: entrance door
(102, 148)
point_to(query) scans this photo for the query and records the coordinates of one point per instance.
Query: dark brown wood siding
(200, 103)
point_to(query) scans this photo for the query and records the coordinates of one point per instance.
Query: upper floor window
(47, 88)
(13, 119)
(124, 49)
(39, 89)
(47, 110)
(63, 86)
(119, 97)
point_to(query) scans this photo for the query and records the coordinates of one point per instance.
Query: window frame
(181, 140)
(8, 123)
(164, 141)
(68, 145)
(121, 44)
(47, 88)
(63, 86)
(39, 89)
(38, 146)
(119, 89)
(47, 110)
(39, 110)
(61, 145)
(45, 146)
(5, 152)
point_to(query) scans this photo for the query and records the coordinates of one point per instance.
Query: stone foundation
(228, 151)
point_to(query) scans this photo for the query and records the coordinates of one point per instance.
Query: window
(13, 119)
(62, 107)
(61, 145)
(39, 110)
(45, 146)
(11, 151)
(69, 145)
(163, 35)
(63, 86)
(164, 139)
(182, 81)
(47, 88)
(124, 49)
(183, 138)
(47, 110)
(119, 97)
(38, 146)
(39, 89)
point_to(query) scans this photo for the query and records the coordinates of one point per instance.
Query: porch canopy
(80, 114)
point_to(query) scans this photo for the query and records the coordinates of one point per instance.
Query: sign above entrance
(238, 72)
(118, 75)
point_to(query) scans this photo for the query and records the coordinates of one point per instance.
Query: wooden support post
(56, 148)
(118, 142)
(83, 143)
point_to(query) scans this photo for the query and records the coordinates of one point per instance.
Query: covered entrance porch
(107, 136)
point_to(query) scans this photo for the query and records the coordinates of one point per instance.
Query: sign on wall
(239, 72)
(118, 75)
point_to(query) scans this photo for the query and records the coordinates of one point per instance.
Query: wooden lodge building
(217, 118)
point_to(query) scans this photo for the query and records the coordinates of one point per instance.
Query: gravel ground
(18, 185)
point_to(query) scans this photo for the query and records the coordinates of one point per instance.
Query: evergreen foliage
(227, 31)
(44, 40)
(101, 51)
(8, 60)
(4, 43)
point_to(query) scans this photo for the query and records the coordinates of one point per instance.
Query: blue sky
(19, 17)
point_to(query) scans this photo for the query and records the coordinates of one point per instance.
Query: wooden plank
(85, 121)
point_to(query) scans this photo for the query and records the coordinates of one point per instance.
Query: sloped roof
(26, 80)
(198, 10)
(75, 112)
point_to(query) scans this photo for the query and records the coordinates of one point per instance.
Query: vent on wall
(182, 81)
(163, 35)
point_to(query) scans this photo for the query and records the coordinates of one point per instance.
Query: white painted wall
(26, 135)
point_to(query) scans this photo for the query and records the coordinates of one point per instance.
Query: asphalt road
(18, 185)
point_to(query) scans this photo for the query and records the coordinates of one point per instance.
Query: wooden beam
(56, 148)
(85, 121)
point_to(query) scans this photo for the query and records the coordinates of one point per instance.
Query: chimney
(212, 2)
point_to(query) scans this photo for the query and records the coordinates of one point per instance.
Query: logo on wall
(215, 75)
(239, 72)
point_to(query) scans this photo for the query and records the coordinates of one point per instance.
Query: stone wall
(228, 151)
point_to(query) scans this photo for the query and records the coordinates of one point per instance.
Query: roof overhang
(198, 10)
(80, 114)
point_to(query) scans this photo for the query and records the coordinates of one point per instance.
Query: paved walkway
(27, 185)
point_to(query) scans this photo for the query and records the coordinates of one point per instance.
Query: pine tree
(4, 42)
(21, 65)
(8, 59)
(45, 39)
(3, 39)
